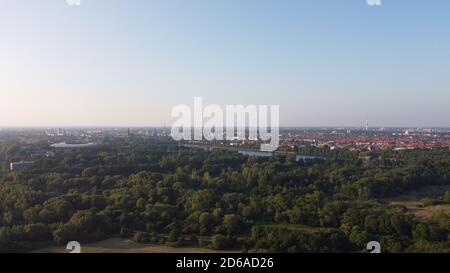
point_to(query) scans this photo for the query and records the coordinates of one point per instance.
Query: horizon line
(164, 126)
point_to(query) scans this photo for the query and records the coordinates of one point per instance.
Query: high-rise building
(60, 132)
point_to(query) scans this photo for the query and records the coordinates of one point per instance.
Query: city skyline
(121, 64)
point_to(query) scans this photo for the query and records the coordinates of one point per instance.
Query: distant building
(15, 166)
(60, 132)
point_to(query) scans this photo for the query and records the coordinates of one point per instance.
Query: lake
(255, 153)
(269, 154)
(307, 157)
(70, 145)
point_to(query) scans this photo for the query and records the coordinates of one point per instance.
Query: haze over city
(116, 63)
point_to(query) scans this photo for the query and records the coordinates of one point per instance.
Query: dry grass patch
(121, 245)
(413, 201)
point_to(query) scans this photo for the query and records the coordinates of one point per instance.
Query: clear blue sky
(127, 63)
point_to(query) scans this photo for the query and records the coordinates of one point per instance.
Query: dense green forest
(155, 191)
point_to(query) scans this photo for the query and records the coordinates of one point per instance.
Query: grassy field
(413, 201)
(121, 245)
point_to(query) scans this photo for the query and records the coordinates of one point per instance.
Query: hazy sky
(127, 63)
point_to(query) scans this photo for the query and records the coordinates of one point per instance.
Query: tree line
(155, 191)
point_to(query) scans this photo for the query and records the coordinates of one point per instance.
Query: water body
(307, 157)
(69, 145)
(255, 153)
(269, 154)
